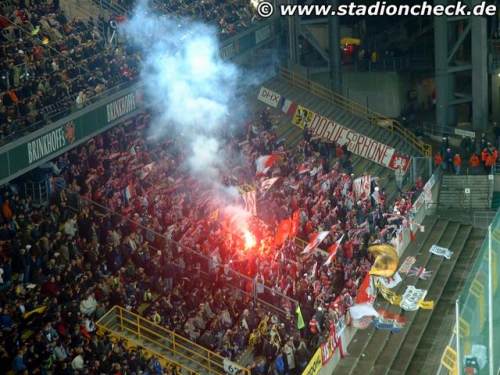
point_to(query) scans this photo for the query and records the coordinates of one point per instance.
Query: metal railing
(284, 305)
(53, 115)
(356, 109)
(164, 343)
(476, 332)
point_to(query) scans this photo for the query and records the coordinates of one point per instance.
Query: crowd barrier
(356, 109)
(271, 300)
(163, 343)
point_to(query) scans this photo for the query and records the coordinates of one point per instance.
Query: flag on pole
(316, 239)
(300, 318)
(362, 186)
(332, 250)
(129, 192)
(294, 229)
(288, 106)
(366, 291)
(268, 183)
(147, 169)
(303, 168)
(265, 162)
(283, 232)
(250, 200)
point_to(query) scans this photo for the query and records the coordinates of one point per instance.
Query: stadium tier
(183, 191)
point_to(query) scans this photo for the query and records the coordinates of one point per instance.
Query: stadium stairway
(381, 352)
(340, 115)
(453, 192)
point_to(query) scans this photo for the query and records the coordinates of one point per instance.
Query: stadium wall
(38, 147)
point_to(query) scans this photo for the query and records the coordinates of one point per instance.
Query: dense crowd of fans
(61, 269)
(51, 64)
(229, 17)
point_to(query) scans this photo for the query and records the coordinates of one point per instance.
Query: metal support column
(293, 42)
(444, 80)
(334, 51)
(461, 58)
(479, 38)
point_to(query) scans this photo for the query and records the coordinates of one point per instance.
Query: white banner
(362, 187)
(269, 97)
(411, 298)
(441, 251)
(358, 144)
(231, 368)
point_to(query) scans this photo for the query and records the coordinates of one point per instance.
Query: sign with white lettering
(121, 107)
(50, 142)
(269, 97)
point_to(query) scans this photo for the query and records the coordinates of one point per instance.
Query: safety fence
(174, 349)
(270, 299)
(356, 109)
(475, 343)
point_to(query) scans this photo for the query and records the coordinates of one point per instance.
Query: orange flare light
(249, 238)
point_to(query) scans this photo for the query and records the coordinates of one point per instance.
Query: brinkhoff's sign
(50, 142)
(121, 107)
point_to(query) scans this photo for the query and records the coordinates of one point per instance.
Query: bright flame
(249, 238)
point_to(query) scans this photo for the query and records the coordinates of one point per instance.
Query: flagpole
(457, 335)
(490, 304)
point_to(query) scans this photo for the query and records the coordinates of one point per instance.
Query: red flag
(304, 168)
(265, 162)
(294, 230)
(283, 232)
(366, 291)
(316, 239)
(332, 250)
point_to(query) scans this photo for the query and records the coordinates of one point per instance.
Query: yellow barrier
(449, 360)
(314, 365)
(356, 109)
(166, 344)
(477, 290)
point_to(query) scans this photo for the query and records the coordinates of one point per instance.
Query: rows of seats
(148, 237)
(52, 64)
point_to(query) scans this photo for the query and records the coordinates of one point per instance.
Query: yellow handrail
(166, 340)
(356, 109)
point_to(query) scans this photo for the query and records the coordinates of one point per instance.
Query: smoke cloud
(189, 86)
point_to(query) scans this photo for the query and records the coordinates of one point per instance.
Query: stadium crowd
(61, 268)
(230, 17)
(51, 64)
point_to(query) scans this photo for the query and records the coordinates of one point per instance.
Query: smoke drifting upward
(193, 94)
(189, 85)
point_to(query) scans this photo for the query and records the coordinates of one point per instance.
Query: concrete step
(380, 352)
(427, 357)
(364, 339)
(436, 288)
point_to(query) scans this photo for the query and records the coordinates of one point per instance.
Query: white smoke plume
(190, 87)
